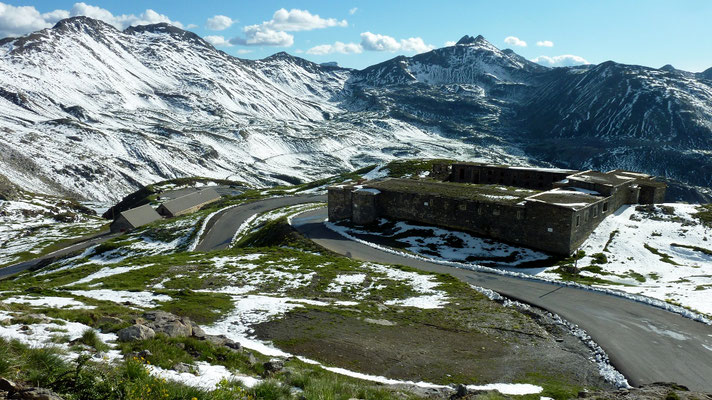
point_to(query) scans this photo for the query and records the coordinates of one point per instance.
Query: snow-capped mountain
(93, 112)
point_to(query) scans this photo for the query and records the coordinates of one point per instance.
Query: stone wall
(364, 210)
(339, 198)
(536, 225)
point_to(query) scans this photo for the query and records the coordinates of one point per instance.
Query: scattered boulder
(273, 366)
(136, 332)
(183, 368)
(38, 394)
(169, 324)
(9, 386)
(222, 340)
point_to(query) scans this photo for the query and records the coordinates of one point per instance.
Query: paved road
(645, 343)
(23, 266)
(223, 190)
(228, 222)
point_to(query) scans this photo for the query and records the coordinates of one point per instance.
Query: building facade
(545, 209)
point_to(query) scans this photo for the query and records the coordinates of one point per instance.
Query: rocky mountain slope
(93, 112)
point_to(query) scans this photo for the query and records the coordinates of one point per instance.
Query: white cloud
(21, 20)
(337, 47)
(219, 23)
(15, 21)
(415, 44)
(244, 51)
(217, 41)
(377, 42)
(274, 31)
(300, 20)
(515, 41)
(450, 43)
(258, 37)
(545, 43)
(353, 11)
(191, 26)
(566, 60)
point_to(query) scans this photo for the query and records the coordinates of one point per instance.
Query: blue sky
(361, 33)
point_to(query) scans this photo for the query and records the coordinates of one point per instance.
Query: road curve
(25, 265)
(645, 343)
(228, 221)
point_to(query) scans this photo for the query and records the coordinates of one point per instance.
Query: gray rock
(169, 324)
(9, 386)
(183, 368)
(273, 366)
(136, 332)
(198, 332)
(39, 394)
(251, 358)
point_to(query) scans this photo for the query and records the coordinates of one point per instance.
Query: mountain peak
(80, 22)
(165, 28)
(668, 67)
(469, 40)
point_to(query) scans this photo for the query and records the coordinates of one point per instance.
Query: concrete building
(188, 203)
(131, 219)
(546, 209)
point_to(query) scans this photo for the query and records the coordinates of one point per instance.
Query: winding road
(228, 221)
(645, 343)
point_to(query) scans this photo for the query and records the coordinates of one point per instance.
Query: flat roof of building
(535, 169)
(611, 179)
(141, 215)
(191, 200)
(572, 198)
(640, 178)
(476, 192)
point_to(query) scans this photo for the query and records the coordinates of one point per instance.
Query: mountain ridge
(116, 109)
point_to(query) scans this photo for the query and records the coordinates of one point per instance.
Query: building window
(462, 173)
(578, 220)
(520, 214)
(463, 206)
(595, 211)
(495, 211)
(479, 210)
(605, 206)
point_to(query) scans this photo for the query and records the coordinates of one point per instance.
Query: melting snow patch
(54, 302)
(207, 376)
(106, 272)
(251, 310)
(140, 299)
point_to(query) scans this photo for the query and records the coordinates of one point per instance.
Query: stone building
(131, 219)
(188, 203)
(547, 209)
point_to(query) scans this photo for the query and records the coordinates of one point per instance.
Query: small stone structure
(133, 218)
(553, 210)
(188, 203)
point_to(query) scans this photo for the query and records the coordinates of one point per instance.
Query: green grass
(638, 277)
(409, 167)
(203, 308)
(167, 352)
(599, 258)
(663, 256)
(704, 214)
(90, 338)
(611, 236)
